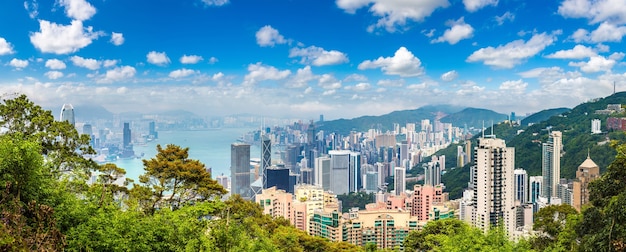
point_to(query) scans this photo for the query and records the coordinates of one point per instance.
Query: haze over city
(341, 58)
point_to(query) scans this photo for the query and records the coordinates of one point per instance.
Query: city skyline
(342, 58)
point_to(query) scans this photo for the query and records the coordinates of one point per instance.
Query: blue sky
(302, 58)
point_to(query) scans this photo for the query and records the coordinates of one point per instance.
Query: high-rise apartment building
(521, 186)
(432, 170)
(399, 180)
(596, 126)
(240, 169)
(551, 165)
(536, 189)
(494, 196)
(67, 114)
(587, 171)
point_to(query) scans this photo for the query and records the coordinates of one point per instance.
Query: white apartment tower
(551, 165)
(493, 202)
(521, 186)
(399, 180)
(596, 125)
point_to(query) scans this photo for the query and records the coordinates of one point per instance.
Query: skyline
(343, 58)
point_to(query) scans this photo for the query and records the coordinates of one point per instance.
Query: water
(211, 147)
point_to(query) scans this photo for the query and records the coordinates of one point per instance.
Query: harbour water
(211, 147)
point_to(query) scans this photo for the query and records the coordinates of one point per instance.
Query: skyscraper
(587, 171)
(399, 180)
(240, 169)
(67, 114)
(323, 172)
(493, 199)
(266, 158)
(340, 171)
(551, 165)
(432, 172)
(521, 186)
(126, 135)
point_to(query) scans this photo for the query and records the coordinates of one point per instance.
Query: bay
(211, 147)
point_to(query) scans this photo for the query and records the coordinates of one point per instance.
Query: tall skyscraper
(356, 179)
(399, 180)
(587, 171)
(536, 190)
(493, 199)
(266, 158)
(152, 130)
(240, 169)
(340, 171)
(126, 134)
(521, 186)
(551, 165)
(432, 172)
(67, 114)
(323, 172)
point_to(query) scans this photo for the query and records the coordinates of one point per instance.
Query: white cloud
(215, 2)
(190, 59)
(118, 74)
(458, 31)
(516, 87)
(449, 76)
(608, 32)
(18, 63)
(578, 52)
(506, 16)
(403, 63)
(53, 75)
(394, 13)
(355, 77)
(318, 56)
(90, 64)
(329, 92)
(580, 35)
(109, 63)
(268, 36)
(259, 72)
(62, 39)
(157, 58)
(302, 78)
(117, 38)
(32, 8)
(55, 64)
(391, 83)
(78, 9)
(180, 73)
(595, 10)
(363, 86)
(474, 5)
(5, 47)
(213, 60)
(328, 81)
(595, 64)
(513, 53)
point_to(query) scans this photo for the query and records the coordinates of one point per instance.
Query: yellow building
(587, 171)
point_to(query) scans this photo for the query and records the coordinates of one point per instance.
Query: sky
(303, 58)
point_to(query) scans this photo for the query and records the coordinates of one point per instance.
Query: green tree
(173, 172)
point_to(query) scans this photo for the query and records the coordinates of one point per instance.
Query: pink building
(423, 198)
(276, 203)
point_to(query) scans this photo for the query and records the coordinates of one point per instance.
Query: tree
(172, 172)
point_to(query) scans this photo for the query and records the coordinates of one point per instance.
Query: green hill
(527, 140)
(458, 116)
(543, 115)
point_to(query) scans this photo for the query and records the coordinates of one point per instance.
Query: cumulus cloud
(55, 64)
(578, 52)
(391, 83)
(109, 63)
(213, 60)
(355, 77)
(595, 11)
(5, 47)
(117, 38)
(78, 9)
(91, 64)
(18, 63)
(394, 14)
(596, 64)
(458, 31)
(449, 76)
(268, 36)
(513, 53)
(53, 75)
(62, 39)
(215, 2)
(608, 32)
(474, 5)
(506, 16)
(517, 86)
(259, 72)
(157, 58)
(403, 63)
(190, 59)
(118, 74)
(318, 56)
(180, 73)
(328, 81)
(302, 78)
(363, 86)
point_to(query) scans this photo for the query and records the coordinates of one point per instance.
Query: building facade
(240, 169)
(551, 165)
(587, 171)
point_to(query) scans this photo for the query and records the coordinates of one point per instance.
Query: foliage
(543, 115)
(173, 172)
(358, 199)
